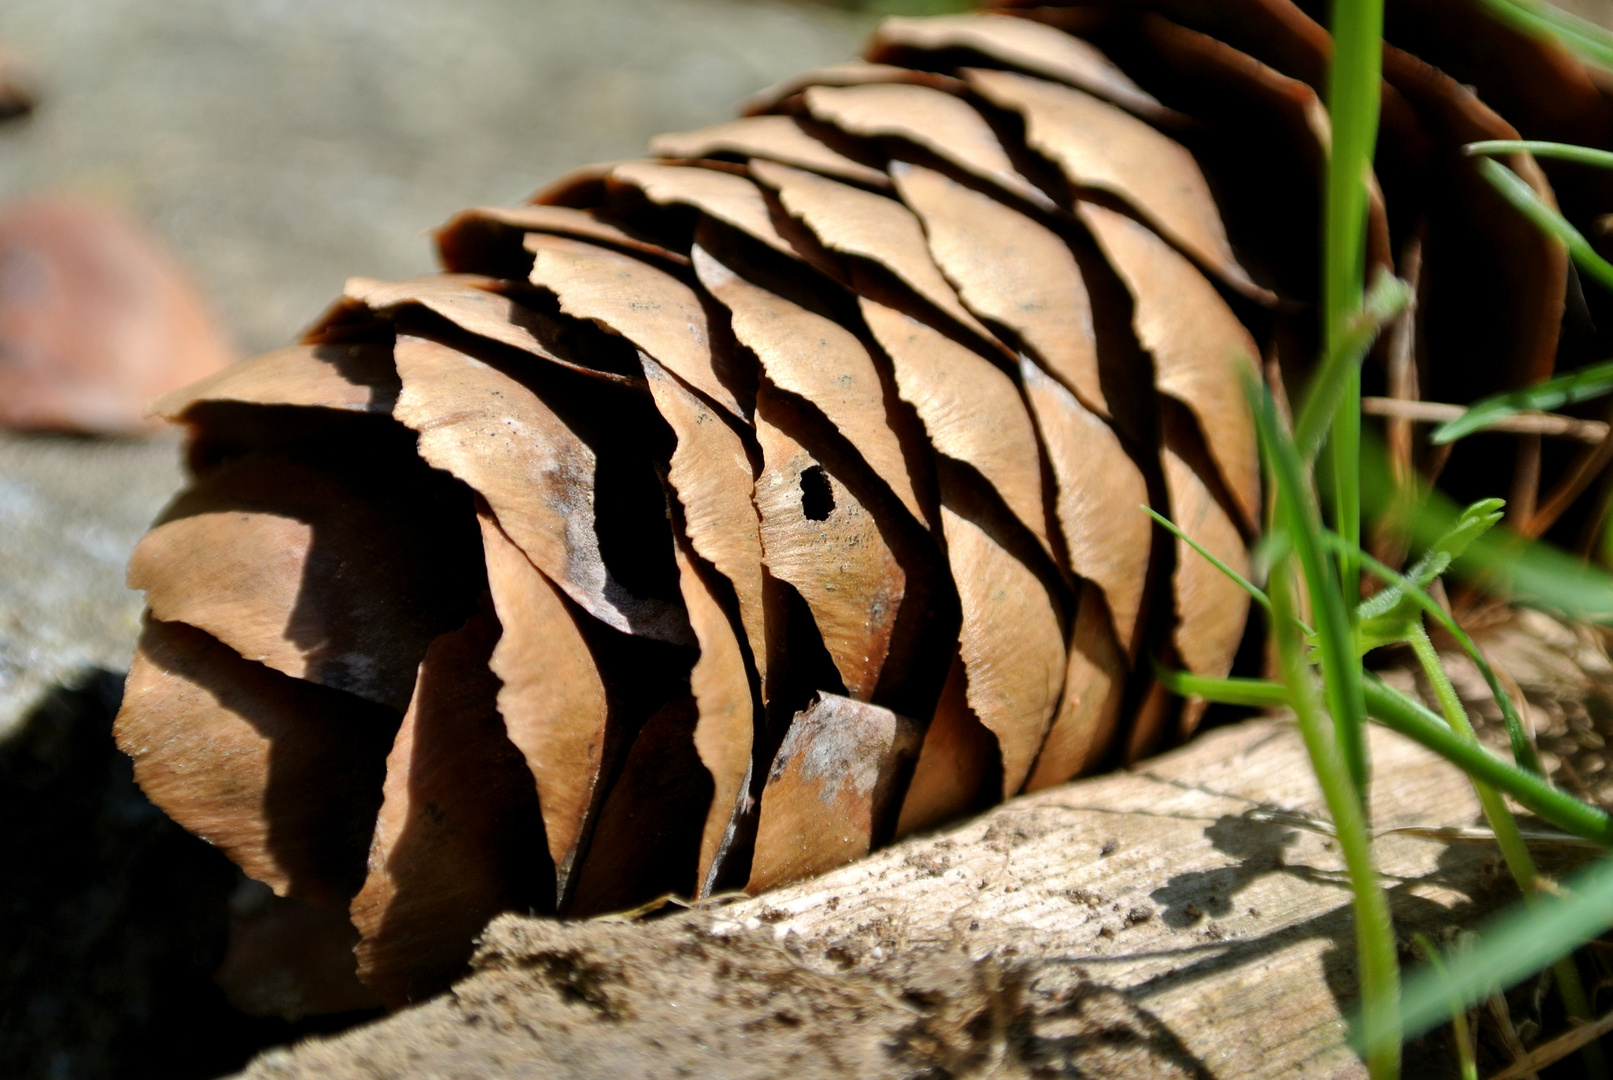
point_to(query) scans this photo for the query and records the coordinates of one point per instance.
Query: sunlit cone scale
(717, 518)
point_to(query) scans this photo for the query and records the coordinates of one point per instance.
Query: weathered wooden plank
(1178, 919)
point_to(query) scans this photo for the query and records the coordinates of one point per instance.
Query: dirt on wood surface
(1190, 918)
(703, 995)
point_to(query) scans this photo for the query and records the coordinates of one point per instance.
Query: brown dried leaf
(354, 378)
(725, 734)
(459, 837)
(1203, 356)
(970, 408)
(649, 833)
(536, 472)
(819, 360)
(95, 320)
(1101, 493)
(555, 707)
(281, 775)
(828, 796)
(868, 226)
(732, 200)
(1011, 270)
(487, 239)
(1032, 47)
(471, 303)
(316, 575)
(941, 123)
(1011, 642)
(958, 769)
(849, 73)
(1211, 608)
(776, 138)
(1098, 145)
(817, 537)
(1089, 711)
(627, 296)
(712, 478)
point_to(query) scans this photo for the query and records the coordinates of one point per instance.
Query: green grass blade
(1512, 948)
(1586, 384)
(1244, 583)
(1508, 838)
(1257, 693)
(1464, 1040)
(1298, 516)
(1580, 155)
(1535, 573)
(1412, 719)
(1354, 86)
(1523, 198)
(1376, 961)
(1523, 751)
(1387, 298)
(1538, 19)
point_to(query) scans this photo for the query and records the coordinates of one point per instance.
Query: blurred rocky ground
(277, 146)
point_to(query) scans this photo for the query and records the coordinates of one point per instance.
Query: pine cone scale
(710, 473)
(1009, 270)
(281, 774)
(534, 469)
(457, 829)
(776, 138)
(647, 306)
(1010, 639)
(971, 410)
(556, 707)
(1095, 478)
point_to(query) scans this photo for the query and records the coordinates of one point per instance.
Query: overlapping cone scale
(717, 517)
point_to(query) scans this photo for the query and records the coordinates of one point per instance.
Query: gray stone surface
(282, 145)
(70, 511)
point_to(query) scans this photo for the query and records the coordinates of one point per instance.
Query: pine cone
(716, 518)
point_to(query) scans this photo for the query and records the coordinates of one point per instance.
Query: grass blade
(1354, 82)
(1248, 586)
(1586, 384)
(1513, 947)
(1580, 155)
(1377, 963)
(1256, 693)
(1523, 751)
(1538, 19)
(1459, 1028)
(1523, 198)
(1536, 573)
(1411, 718)
(1300, 521)
(1387, 298)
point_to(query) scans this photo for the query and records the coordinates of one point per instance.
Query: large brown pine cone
(718, 517)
